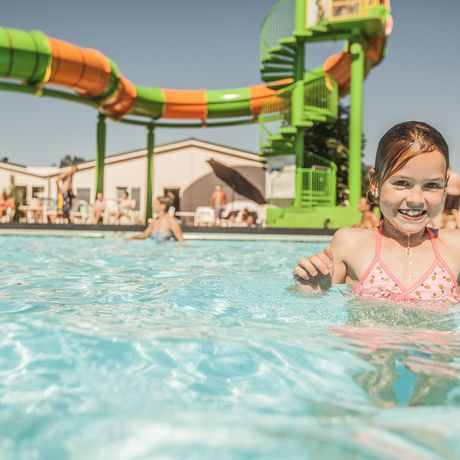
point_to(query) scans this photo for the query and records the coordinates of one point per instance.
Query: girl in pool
(404, 259)
(164, 226)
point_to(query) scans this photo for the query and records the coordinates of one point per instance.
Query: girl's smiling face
(414, 195)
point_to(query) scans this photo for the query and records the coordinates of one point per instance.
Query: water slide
(39, 61)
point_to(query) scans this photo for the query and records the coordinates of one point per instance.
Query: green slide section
(24, 55)
(228, 103)
(149, 102)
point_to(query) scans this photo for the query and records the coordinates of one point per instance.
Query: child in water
(164, 226)
(404, 259)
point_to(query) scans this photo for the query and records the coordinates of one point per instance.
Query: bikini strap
(378, 241)
(376, 258)
(433, 244)
(441, 259)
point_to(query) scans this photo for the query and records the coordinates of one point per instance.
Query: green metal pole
(356, 123)
(100, 153)
(300, 16)
(150, 146)
(297, 114)
(298, 99)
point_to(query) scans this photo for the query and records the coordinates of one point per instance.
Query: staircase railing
(320, 104)
(275, 114)
(321, 96)
(279, 23)
(318, 181)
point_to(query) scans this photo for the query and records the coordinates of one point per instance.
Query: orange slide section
(86, 70)
(259, 94)
(182, 103)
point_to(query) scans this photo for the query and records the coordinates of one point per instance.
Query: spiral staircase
(307, 98)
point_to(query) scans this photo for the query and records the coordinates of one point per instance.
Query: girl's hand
(314, 274)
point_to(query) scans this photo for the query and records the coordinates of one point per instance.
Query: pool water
(114, 350)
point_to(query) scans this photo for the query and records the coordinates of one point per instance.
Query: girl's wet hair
(401, 143)
(166, 200)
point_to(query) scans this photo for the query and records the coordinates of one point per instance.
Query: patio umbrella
(236, 181)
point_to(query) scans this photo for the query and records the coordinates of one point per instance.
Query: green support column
(300, 16)
(100, 153)
(298, 100)
(150, 147)
(356, 123)
(299, 151)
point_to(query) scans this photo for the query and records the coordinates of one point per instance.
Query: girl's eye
(401, 183)
(434, 185)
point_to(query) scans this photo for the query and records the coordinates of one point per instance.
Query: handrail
(321, 94)
(275, 114)
(318, 182)
(320, 99)
(279, 23)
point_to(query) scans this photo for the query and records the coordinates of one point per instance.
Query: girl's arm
(176, 229)
(314, 274)
(142, 236)
(317, 273)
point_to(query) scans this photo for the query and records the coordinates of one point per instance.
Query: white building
(179, 167)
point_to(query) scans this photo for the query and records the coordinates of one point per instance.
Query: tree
(330, 140)
(69, 160)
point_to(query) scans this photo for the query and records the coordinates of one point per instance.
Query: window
(176, 200)
(121, 191)
(84, 194)
(38, 192)
(136, 195)
(21, 194)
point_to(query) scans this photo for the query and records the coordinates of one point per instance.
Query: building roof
(50, 171)
(189, 142)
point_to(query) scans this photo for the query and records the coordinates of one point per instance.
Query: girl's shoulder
(170, 219)
(354, 235)
(353, 240)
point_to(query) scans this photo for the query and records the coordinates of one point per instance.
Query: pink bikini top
(438, 282)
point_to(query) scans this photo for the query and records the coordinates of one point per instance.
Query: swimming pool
(113, 350)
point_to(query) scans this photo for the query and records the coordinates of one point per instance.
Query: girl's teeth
(411, 213)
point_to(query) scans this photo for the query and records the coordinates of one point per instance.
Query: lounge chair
(204, 216)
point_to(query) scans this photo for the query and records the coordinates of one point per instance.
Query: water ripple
(139, 351)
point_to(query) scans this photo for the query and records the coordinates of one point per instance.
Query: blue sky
(214, 44)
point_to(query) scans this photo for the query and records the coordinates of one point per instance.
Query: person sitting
(445, 219)
(451, 221)
(125, 207)
(37, 210)
(163, 226)
(98, 208)
(7, 208)
(230, 218)
(248, 218)
(110, 214)
(368, 217)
